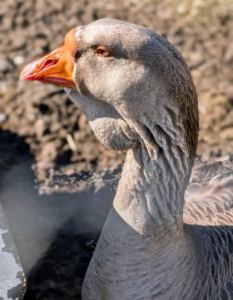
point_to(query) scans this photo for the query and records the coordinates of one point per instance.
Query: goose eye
(102, 52)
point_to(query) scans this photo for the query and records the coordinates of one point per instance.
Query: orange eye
(102, 51)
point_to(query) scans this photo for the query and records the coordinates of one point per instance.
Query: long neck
(143, 226)
(151, 190)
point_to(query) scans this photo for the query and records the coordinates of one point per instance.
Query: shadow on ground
(55, 234)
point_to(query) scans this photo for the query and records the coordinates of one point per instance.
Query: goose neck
(151, 191)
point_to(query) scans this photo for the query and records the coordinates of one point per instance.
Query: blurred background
(53, 127)
(41, 127)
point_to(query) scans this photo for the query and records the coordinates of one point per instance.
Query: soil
(57, 223)
(54, 128)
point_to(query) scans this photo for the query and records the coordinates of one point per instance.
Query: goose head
(132, 84)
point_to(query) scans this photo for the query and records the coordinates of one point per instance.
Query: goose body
(137, 93)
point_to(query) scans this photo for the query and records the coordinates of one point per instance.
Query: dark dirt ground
(54, 128)
(56, 224)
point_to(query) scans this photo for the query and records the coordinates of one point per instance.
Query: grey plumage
(141, 99)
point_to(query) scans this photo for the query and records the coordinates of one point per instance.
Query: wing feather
(209, 196)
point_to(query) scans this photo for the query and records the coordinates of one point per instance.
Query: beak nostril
(48, 62)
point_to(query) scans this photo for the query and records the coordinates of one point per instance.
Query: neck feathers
(151, 190)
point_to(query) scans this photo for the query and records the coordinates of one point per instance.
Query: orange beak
(55, 67)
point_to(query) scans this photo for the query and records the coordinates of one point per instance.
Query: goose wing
(209, 196)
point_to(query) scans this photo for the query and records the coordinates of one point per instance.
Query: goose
(137, 93)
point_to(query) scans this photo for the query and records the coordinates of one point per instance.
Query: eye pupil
(102, 51)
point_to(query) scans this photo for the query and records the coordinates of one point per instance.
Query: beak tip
(26, 72)
(21, 76)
